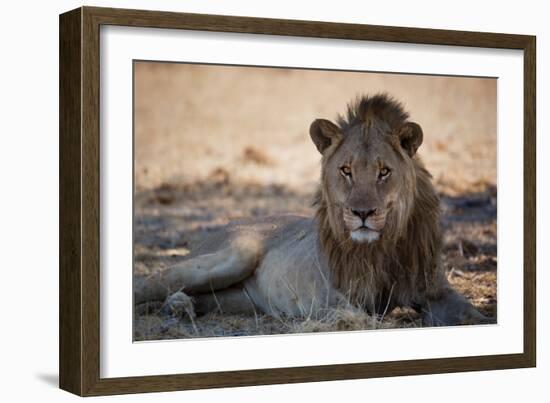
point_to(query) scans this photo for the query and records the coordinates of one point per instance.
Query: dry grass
(215, 146)
(155, 327)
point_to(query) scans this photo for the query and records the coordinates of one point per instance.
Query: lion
(374, 242)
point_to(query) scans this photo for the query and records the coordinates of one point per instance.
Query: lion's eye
(346, 170)
(384, 173)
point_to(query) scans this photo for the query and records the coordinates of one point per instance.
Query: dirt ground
(217, 143)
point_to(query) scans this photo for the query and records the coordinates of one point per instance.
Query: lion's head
(368, 170)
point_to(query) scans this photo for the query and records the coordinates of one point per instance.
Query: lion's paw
(179, 304)
(474, 317)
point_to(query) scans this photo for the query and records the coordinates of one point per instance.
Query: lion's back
(270, 231)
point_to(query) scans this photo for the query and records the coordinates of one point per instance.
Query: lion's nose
(364, 214)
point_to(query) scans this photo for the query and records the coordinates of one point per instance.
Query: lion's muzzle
(364, 225)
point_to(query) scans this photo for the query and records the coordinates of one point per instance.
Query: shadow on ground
(49, 379)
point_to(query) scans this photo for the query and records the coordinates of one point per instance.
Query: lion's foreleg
(233, 300)
(449, 309)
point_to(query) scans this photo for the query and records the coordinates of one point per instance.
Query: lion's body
(303, 266)
(283, 270)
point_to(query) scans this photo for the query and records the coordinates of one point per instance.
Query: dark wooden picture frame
(79, 347)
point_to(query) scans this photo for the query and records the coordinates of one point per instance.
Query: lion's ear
(324, 133)
(410, 136)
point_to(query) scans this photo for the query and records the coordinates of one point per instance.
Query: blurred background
(219, 143)
(191, 120)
